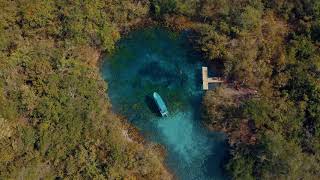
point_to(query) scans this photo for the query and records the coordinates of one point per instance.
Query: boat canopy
(160, 103)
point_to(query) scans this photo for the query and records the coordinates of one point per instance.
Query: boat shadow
(152, 105)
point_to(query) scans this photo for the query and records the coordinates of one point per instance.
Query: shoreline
(129, 131)
(132, 134)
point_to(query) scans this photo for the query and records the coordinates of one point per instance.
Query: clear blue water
(155, 59)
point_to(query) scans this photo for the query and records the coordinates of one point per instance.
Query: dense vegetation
(272, 47)
(55, 120)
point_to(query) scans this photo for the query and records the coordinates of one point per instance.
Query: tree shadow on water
(152, 105)
(214, 164)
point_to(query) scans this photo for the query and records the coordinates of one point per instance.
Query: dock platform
(206, 80)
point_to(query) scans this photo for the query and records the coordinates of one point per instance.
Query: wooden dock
(206, 80)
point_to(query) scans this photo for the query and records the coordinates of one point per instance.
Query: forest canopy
(55, 117)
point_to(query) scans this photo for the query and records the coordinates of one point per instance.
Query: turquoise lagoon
(158, 60)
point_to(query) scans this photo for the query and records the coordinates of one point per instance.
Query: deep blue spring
(158, 60)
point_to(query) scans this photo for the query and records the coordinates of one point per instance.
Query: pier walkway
(206, 80)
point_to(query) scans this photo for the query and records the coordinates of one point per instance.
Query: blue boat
(160, 103)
